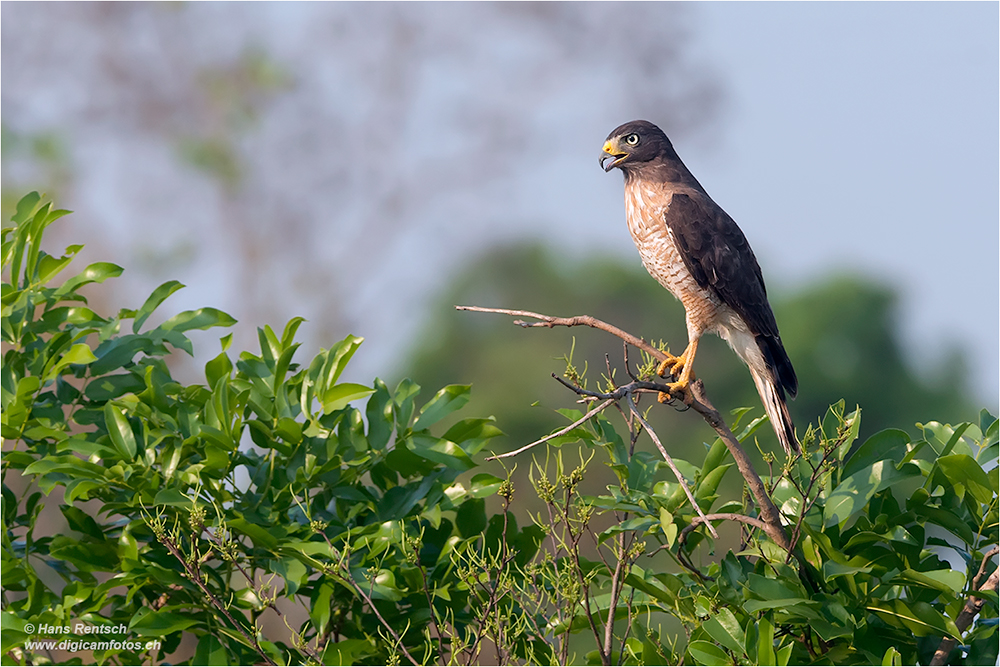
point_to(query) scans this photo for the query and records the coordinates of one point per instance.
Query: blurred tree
(841, 335)
(338, 140)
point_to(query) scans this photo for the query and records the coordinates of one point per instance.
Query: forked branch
(694, 398)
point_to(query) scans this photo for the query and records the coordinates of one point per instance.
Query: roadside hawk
(695, 250)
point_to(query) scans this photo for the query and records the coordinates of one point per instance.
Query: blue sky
(865, 136)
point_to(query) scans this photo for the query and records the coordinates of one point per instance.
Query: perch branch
(694, 398)
(580, 320)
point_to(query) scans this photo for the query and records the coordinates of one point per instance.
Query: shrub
(261, 517)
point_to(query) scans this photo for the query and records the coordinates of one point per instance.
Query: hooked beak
(613, 153)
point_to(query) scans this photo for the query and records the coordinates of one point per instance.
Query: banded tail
(773, 378)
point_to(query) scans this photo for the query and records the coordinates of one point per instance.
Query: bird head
(633, 144)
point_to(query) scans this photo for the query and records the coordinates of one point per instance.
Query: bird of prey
(694, 249)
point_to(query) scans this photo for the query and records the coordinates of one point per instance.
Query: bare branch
(726, 516)
(193, 571)
(564, 431)
(694, 397)
(973, 605)
(670, 462)
(580, 320)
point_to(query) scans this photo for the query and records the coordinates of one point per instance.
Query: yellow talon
(671, 364)
(680, 368)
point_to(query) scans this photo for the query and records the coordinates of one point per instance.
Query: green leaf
(918, 617)
(292, 571)
(210, 651)
(149, 623)
(668, 526)
(947, 581)
(13, 630)
(707, 653)
(172, 497)
(203, 318)
(446, 401)
(219, 367)
(26, 207)
(95, 273)
(854, 492)
(337, 397)
(78, 354)
(289, 430)
(288, 336)
(471, 518)
(889, 444)
(82, 522)
(261, 537)
(765, 641)
(88, 556)
(484, 485)
(108, 387)
(710, 483)
(768, 588)
(69, 465)
(337, 360)
(963, 469)
(441, 451)
(158, 296)
(716, 454)
(319, 610)
(347, 651)
(120, 431)
(473, 432)
(833, 569)
(725, 629)
(49, 267)
(403, 397)
(892, 658)
(753, 606)
(379, 413)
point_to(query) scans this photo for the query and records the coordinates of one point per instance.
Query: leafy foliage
(264, 516)
(192, 509)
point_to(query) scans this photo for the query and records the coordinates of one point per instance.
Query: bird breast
(645, 207)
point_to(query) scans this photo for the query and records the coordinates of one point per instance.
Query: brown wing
(719, 258)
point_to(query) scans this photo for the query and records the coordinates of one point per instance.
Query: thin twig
(564, 431)
(430, 607)
(724, 516)
(670, 462)
(194, 574)
(682, 538)
(616, 587)
(580, 320)
(371, 604)
(343, 570)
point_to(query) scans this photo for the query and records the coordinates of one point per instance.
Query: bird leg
(679, 367)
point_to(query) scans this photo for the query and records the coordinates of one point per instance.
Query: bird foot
(676, 390)
(674, 366)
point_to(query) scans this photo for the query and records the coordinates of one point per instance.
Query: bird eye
(632, 140)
